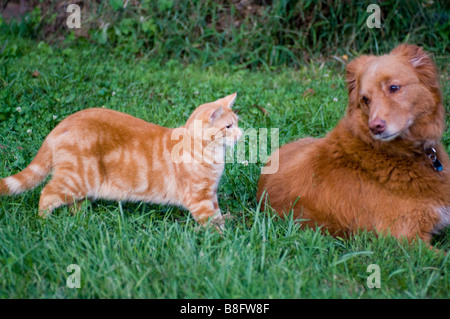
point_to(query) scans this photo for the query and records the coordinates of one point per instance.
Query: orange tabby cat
(100, 153)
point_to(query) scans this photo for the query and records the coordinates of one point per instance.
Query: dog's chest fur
(444, 214)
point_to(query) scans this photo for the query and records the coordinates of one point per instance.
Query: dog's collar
(431, 153)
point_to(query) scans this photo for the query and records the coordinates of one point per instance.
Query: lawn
(135, 250)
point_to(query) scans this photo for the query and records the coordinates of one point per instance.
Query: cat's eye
(365, 100)
(394, 88)
(229, 126)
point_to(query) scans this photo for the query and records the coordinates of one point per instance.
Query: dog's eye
(229, 126)
(365, 100)
(394, 88)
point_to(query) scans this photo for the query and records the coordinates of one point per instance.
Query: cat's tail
(31, 176)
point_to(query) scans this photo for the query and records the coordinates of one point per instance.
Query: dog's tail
(31, 176)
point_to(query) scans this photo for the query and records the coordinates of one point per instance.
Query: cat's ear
(230, 99)
(215, 114)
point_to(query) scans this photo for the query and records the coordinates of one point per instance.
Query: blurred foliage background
(251, 33)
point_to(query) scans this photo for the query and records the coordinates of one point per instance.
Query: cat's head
(216, 121)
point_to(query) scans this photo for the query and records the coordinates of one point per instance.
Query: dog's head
(396, 96)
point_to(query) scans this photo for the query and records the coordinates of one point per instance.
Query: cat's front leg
(206, 212)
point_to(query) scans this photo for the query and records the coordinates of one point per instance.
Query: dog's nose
(377, 126)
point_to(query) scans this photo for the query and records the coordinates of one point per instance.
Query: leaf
(349, 256)
(102, 92)
(263, 110)
(149, 27)
(116, 4)
(44, 48)
(309, 92)
(164, 5)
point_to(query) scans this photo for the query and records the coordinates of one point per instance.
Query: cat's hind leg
(58, 193)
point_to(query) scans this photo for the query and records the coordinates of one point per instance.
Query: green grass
(135, 250)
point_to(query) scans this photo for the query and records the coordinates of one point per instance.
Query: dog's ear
(353, 72)
(430, 126)
(421, 62)
(416, 55)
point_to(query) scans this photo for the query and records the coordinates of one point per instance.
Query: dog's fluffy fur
(372, 171)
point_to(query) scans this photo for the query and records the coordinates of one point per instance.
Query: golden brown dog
(382, 168)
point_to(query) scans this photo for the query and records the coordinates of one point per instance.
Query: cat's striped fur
(100, 153)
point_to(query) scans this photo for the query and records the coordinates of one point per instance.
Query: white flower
(19, 109)
(335, 99)
(113, 93)
(326, 75)
(196, 92)
(55, 117)
(245, 163)
(29, 131)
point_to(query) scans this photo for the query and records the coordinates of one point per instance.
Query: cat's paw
(228, 216)
(220, 228)
(219, 223)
